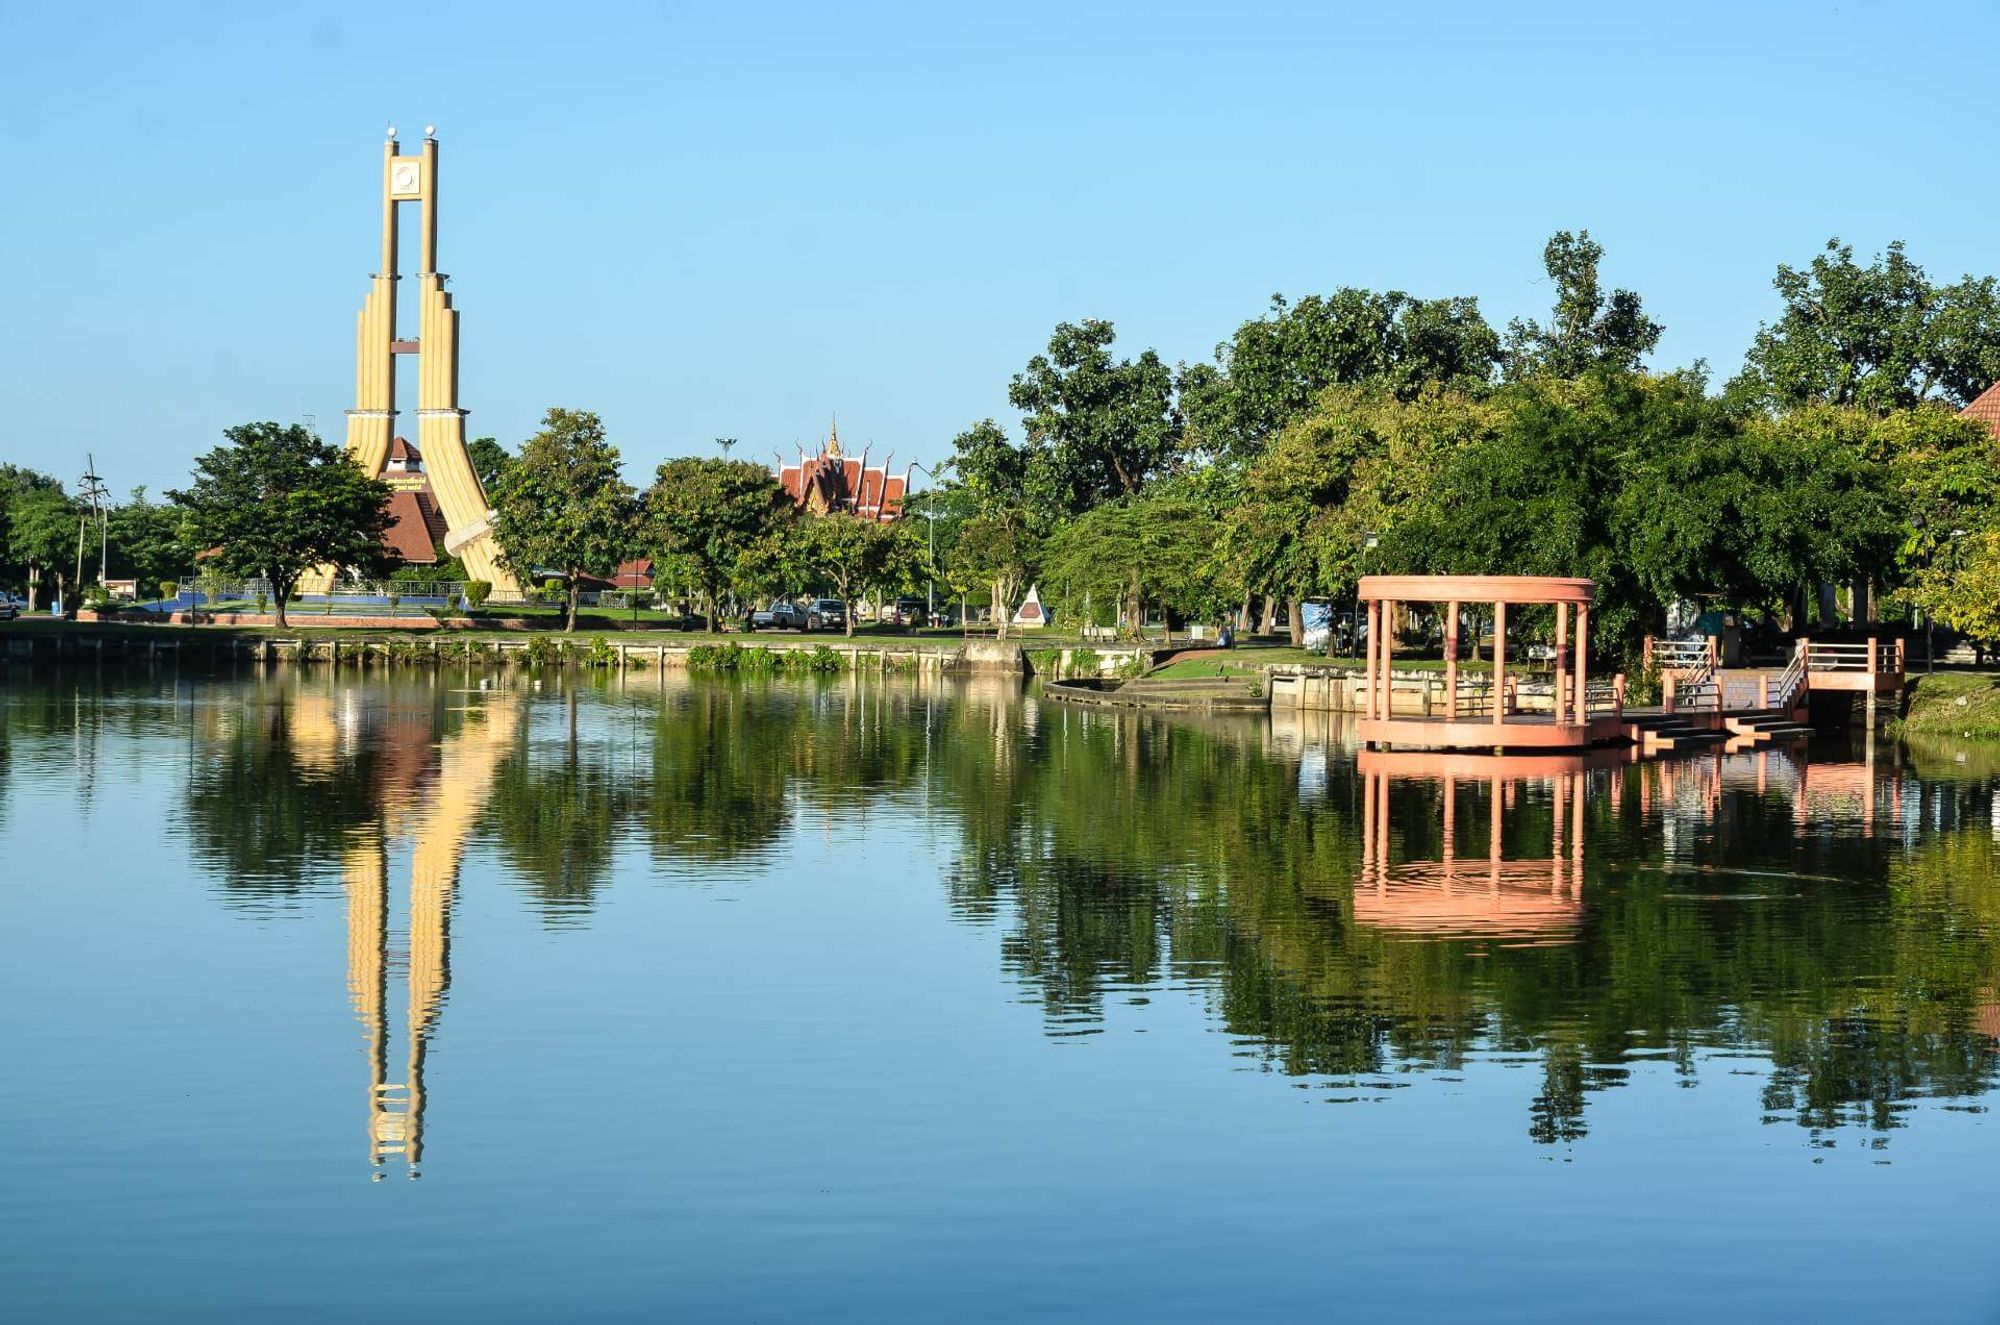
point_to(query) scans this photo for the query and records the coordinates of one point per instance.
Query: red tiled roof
(1986, 408)
(401, 448)
(844, 483)
(634, 574)
(410, 535)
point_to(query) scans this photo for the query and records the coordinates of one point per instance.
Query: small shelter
(1490, 716)
(1031, 613)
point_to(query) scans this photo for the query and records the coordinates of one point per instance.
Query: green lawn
(1960, 704)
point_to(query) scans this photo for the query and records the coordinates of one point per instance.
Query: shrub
(170, 588)
(477, 592)
(263, 601)
(395, 601)
(598, 653)
(1086, 662)
(552, 589)
(1046, 662)
(543, 651)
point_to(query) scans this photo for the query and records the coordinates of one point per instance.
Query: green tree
(1588, 330)
(1881, 337)
(491, 462)
(276, 501)
(998, 551)
(145, 541)
(1097, 427)
(41, 537)
(714, 525)
(565, 507)
(1275, 367)
(852, 554)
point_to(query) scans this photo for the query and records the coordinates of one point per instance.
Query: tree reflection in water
(1835, 916)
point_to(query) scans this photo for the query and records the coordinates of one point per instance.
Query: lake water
(342, 999)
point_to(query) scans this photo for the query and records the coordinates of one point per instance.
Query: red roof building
(834, 481)
(1986, 409)
(418, 527)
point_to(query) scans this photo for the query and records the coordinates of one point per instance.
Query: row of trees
(1367, 431)
(1354, 432)
(719, 529)
(50, 539)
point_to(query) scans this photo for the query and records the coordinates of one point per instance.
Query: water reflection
(1349, 921)
(433, 805)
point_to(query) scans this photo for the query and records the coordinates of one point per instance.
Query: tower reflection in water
(435, 811)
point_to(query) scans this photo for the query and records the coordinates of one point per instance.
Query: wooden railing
(1867, 656)
(1784, 692)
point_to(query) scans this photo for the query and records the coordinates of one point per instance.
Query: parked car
(782, 614)
(908, 612)
(826, 614)
(7, 609)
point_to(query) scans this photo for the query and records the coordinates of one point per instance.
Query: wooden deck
(1520, 731)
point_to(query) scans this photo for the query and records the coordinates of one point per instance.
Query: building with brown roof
(418, 528)
(835, 481)
(1986, 408)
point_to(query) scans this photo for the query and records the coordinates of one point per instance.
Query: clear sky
(738, 219)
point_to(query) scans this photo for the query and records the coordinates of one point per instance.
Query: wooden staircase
(1670, 731)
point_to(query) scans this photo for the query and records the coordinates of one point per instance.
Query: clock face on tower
(405, 179)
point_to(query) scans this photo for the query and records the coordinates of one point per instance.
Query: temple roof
(401, 448)
(836, 481)
(1986, 408)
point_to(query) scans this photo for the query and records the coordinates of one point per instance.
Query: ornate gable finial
(833, 439)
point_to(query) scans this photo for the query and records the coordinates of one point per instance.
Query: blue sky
(738, 219)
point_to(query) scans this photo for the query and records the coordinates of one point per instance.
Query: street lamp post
(930, 513)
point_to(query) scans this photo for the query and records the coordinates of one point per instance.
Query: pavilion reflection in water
(1536, 894)
(1530, 899)
(433, 792)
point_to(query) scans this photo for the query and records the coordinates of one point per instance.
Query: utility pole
(727, 444)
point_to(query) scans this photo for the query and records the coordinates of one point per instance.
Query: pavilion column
(1499, 663)
(1557, 811)
(1367, 826)
(1493, 838)
(1388, 611)
(1562, 659)
(1368, 667)
(1583, 663)
(1450, 824)
(1451, 662)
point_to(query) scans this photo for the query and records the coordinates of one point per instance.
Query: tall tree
(1275, 368)
(276, 501)
(41, 537)
(565, 507)
(1588, 330)
(998, 551)
(145, 541)
(712, 524)
(852, 554)
(490, 461)
(1881, 337)
(1097, 426)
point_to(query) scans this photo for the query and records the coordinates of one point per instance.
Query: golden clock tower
(371, 424)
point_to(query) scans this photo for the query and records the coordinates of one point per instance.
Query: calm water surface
(341, 999)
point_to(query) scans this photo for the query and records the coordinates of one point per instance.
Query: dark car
(826, 614)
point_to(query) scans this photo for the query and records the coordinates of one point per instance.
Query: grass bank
(1958, 704)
